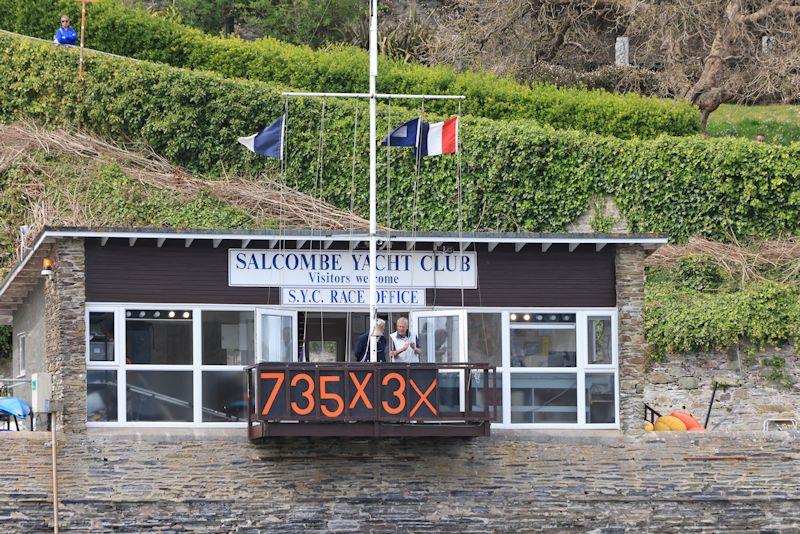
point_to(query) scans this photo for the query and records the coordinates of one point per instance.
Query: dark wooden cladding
(173, 273)
(532, 278)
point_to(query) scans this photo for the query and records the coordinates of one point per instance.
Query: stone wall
(630, 301)
(65, 344)
(521, 481)
(748, 394)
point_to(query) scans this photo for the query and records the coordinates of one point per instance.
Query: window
(228, 338)
(101, 395)
(21, 348)
(158, 337)
(101, 336)
(560, 368)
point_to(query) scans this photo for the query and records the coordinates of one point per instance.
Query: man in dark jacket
(361, 354)
(66, 34)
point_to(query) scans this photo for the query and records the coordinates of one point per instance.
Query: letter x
(423, 397)
(360, 393)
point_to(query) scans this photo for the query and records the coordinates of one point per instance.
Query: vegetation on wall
(533, 178)
(134, 33)
(708, 296)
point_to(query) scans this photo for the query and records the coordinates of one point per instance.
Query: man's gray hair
(404, 319)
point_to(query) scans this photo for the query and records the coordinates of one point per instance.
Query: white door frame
(282, 312)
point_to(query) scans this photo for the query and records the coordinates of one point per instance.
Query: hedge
(131, 32)
(518, 175)
(679, 319)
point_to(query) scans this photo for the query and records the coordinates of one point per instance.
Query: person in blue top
(66, 34)
(361, 353)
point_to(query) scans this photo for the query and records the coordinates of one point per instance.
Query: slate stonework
(216, 481)
(748, 399)
(65, 337)
(630, 302)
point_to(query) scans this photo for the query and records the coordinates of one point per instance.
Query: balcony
(371, 399)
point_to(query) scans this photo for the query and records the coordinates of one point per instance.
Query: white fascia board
(21, 265)
(353, 237)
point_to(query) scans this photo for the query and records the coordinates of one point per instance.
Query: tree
(707, 52)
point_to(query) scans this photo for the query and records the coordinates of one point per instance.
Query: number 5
(324, 395)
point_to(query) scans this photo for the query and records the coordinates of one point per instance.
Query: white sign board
(352, 297)
(349, 269)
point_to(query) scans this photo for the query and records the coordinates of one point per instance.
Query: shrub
(518, 175)
(134, 33)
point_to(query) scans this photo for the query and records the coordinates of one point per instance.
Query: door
(442, 336)
(276, 335)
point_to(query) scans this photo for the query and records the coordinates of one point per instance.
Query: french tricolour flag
(440, 138)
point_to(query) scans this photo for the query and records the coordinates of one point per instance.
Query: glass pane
(276, 338)
(599, 335)
(449, 392)
(158, 337)
(485, 338)
(319, 351)
(478, 397)
(101, 336)
(601, 405)
(159, 396)
(438, 339)
(224, 396)
(543, 347)
(544, 398)
(228, 338)
(101, 395)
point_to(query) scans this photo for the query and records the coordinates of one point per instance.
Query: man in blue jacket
(66, 34)
(361, 354)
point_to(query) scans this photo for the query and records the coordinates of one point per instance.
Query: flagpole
(373, 178)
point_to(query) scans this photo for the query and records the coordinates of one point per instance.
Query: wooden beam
(132, 241)
(493, 245)
(103, 241)
(272, 243)
(245, 242)
(573, 246)
(189, 241)
(215, 242)
(301, 242)
(599, 246)
(160, 242)
(546, 246)
(328, 243)
(518, 246)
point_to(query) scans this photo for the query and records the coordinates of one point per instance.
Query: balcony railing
(371, 399)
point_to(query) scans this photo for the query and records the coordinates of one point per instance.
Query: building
(153, 327)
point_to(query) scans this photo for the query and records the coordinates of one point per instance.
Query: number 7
(274, 393)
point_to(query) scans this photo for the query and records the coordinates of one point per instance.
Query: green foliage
(5, 342)
(699, 272)
(518, 175)
(134, 33)
(776, 367)
(601, 221)
(679, 319)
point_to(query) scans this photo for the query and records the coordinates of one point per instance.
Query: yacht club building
(154, 327)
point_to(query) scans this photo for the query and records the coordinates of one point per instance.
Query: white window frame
(22, 347)
(505, 370)
(280, 312)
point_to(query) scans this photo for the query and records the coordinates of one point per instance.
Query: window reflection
(544, 398)
(543, 347)
(228, 338)
(101, 395)
(438, 339)
(485, 338)
(159, 396)
(599, 338)
(600, 398)
(101, 336)
(158, 337)
(224, 396)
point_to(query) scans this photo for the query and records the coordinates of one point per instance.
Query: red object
(692, 424)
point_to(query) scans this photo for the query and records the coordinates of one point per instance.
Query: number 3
(308, 394)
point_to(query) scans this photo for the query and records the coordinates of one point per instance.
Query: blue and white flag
(404, 135)
(268, 142)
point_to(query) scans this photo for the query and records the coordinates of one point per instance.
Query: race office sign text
(341, 278)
